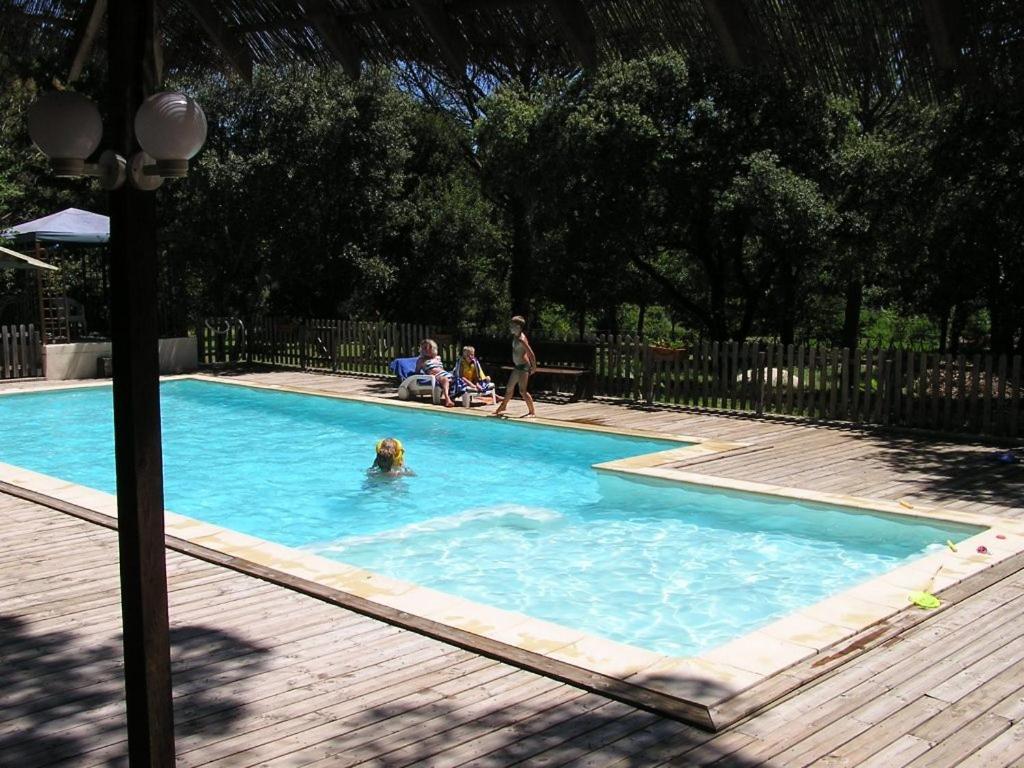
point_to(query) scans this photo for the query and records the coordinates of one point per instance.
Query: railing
(21, 352)
(340, 346)
(980, 394)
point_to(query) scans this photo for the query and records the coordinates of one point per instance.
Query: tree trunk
(943, 331)
(851, 316)
(641, 315)
(787, 330)
(1000, 331)
(718, 327)
(1002, 335)
(611, 319)
(521, 276)
(956, 329)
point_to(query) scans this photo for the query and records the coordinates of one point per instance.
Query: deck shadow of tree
(476, 727)
(944, 466)
(62, 694)
(951, 472)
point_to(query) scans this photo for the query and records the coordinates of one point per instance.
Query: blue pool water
(503, 513)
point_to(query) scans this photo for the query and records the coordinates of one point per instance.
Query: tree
(319, 196)
(508, 148)
(699, 182)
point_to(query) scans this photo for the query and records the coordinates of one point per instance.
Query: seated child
(390, 460)
(429, 362)
(471, 375)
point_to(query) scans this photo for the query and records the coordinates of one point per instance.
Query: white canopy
(72, 225)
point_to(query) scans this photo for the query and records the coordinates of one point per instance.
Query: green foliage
(691, 188)
(712, 204)
(318, 196)
(27, 191)
(885, 328)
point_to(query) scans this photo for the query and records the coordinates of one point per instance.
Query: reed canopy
(917, 47)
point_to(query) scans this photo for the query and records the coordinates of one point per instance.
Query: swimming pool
(506, 514)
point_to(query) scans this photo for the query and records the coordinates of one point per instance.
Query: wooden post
(219, 345)
(1016, 395)
(759, 384)
(303, 342)
(767, 386)
(131, 35)
(790, 373)
(812, 383)
(647, 385)
(1000, 415)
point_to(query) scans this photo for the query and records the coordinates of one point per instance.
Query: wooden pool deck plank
(266, 676)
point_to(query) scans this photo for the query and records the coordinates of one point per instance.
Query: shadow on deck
(63, 695)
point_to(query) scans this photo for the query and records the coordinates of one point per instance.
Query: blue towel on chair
(403, 367)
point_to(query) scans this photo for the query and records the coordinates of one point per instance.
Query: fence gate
(21, 352)
(221, 340)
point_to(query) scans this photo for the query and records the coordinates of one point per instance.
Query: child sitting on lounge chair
(390, 460)
(470, 377)
(429, 362)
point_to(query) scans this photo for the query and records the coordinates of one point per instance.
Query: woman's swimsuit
(433, 366)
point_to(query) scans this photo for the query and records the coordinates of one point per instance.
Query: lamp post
(131, 36)
(170, 128)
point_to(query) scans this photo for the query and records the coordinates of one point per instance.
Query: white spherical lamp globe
(67, 128)
(171, 128)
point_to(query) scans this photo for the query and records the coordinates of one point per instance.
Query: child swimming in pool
(390, 460)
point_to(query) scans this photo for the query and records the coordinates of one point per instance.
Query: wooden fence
(21, 352)
(979, 394)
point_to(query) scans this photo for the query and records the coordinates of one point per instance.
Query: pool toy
(924, 600)
(951, 545)
(906, 504)
(1000, 536)
(982, 550)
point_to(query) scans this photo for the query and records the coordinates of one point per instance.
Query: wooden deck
(266, 676)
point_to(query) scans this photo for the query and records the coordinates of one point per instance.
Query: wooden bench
(555, 360)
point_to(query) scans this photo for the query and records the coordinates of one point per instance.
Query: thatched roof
(914, 45)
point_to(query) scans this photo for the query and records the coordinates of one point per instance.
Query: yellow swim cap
(399, 449)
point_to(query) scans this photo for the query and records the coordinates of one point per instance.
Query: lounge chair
(413, 384)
